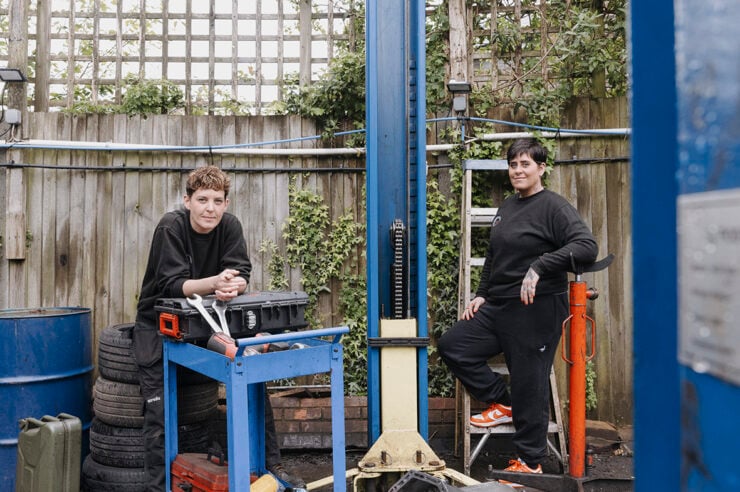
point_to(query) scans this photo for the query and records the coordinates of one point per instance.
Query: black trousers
(151, 381)
(528, 337)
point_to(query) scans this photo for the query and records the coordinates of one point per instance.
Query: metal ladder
(483, 217)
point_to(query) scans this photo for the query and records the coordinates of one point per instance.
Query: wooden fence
(78, 223)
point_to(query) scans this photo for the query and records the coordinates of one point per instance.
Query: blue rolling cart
(242, 377)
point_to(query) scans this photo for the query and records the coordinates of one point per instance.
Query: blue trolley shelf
(242, 378)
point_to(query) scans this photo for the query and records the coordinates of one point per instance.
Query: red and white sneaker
(494, 415)
(520, 467)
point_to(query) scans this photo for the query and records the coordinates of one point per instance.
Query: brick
(354, 413)
(302, 441)
(316, 402)
(356, 439)
(316, 427)
(355, 401)
(441, 403)
(355, 426)
(304, 413)
(287, 426)
(286, 402)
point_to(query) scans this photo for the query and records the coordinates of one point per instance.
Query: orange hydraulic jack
(578, 347)
(579, 320)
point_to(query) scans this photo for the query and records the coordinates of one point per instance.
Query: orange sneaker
(494, 415)
(520, 467)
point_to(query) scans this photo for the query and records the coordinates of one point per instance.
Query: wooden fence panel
(90, 228)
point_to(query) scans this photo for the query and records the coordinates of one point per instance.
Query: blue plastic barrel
(45, 369)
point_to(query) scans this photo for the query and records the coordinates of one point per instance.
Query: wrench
(197, 302)
(220, 307)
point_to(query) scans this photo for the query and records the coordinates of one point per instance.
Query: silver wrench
(220, 307)
(197, 302)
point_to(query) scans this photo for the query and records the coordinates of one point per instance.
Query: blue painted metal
(708, 101)
(654, 154)
(418, 219)
(685, 110)
(242, 378)
(396, 174)
(45, 369)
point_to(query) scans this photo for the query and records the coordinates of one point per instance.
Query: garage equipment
(220, 341)
(244, 316)
(242, 377)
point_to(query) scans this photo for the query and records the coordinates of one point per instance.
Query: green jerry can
(49, 454)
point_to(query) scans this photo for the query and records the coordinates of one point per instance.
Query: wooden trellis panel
(222, 53)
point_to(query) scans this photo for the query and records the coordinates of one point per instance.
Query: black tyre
(97, 477)
(115, 355)
(121, 447)
(116, 361)
(121, 404)
(197, 403)
(124, 446)
(118, 404)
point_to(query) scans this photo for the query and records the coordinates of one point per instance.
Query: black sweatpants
(528, 337)
(151, 381)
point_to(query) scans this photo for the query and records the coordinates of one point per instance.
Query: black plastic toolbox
(247, 314)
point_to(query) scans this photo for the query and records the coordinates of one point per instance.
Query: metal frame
(396, 176)
(242, 377)
(654, 157)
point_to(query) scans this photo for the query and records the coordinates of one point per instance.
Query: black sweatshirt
(178, 253)
(539, 231)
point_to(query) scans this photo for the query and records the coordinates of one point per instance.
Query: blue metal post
(419, 257)
(654, 157)
(396, 174)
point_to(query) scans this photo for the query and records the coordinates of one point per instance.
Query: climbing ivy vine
(324, 250)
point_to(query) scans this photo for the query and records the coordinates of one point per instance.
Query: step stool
(555, 427)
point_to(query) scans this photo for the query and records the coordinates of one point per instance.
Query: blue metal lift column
(396, 175)
(654, 157)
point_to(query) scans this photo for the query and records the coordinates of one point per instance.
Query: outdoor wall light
(459, 89)
(12, 75)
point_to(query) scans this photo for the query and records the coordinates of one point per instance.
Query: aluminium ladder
(483, 217)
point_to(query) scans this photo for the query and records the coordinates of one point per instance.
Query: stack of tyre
(116, 459)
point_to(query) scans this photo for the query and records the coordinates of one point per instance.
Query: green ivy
(591, 397)
(325, 250)
(443, 251)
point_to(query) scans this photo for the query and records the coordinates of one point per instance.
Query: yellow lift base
(399, 448)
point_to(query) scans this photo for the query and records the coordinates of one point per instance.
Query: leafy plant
(141, 97)
(325, 250)
(338, 96)
(591, 397)
(151, 97)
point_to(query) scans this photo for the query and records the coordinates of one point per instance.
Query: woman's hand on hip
(473, 307)
(529, 286)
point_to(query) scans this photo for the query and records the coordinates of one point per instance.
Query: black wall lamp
(460, 90)
(12, 75)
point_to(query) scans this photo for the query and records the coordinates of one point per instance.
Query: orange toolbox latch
(169, 324)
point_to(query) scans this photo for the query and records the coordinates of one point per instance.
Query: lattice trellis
(219, 52)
